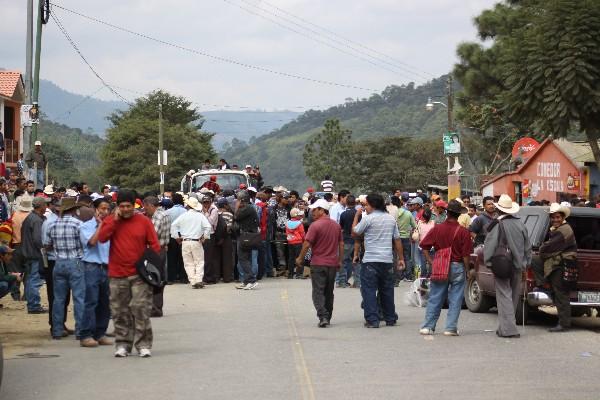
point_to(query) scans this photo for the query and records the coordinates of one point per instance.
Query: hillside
(397, 111)
(72, 154)
(89, 114)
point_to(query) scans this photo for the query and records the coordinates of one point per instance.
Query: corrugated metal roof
(578, 151)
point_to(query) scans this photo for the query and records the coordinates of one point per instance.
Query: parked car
(227, 179)
(480, 294)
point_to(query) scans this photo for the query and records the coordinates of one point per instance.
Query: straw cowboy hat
(559, 208)
(506, 205)
(68, 203)
(193, 203)
(25, 203)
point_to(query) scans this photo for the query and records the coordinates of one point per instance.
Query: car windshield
(225, 181)
(587, 232)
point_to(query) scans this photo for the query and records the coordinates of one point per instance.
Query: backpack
(221, 231)
(502, 260)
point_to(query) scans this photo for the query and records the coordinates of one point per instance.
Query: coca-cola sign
(524, 148)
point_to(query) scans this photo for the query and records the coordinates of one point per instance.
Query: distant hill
(397, 111)
(89, 114)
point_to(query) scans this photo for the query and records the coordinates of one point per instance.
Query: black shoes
(390, 323)
(558, 328)
(38, 311)
(323, 323)
(516, 336)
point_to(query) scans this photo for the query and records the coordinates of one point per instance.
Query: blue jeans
(378, 278)
(454, 290)
(5, 288)
(268, 257)
(33, 283)
(254, 265)
(345, 273)
(68, 273)
(97, 306)
(356, 268)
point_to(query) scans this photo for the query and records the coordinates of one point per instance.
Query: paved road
(220, 343)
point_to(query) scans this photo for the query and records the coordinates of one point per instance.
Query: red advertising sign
(524, 147)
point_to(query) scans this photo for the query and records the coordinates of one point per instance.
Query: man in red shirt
(447, 234)
(130, 233)
(325, 239)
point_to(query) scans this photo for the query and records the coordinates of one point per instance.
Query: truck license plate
(588, 297)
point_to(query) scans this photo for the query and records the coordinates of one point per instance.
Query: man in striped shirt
(327, 184)
(377, 275)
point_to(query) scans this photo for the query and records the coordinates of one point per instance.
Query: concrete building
(12, 96)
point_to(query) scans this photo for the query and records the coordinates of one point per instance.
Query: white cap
(248, 166)
(37, 143)
(252, 189)
(320, 203)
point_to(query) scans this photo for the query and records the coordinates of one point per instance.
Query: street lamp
(430, 104)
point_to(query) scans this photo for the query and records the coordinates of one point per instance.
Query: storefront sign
(524, 148)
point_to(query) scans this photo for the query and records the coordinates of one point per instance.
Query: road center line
(301, 368)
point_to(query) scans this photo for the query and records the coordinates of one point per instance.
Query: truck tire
(475, 300)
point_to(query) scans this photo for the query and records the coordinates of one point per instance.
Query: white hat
(294, 212)
(248, 166)
(252, 189)
(505, 204)
(49, 190)
(193, 202)
(25, 203)
(559, 208)
(320, 203)
(37, 143)
(71, 193)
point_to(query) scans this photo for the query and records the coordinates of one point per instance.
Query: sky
(360, 46)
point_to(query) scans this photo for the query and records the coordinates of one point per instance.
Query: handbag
(440, 267)
(415, 236)
(502, 260)
(250, 240)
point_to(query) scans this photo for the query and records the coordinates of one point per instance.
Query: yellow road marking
(306, 386)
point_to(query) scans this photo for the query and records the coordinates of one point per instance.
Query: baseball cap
(252, 189)
(248, 166)
(5, 249)
(435, 197)
(405, 196)
(441, 203)
(320, 203)
(416, 200)
(37, 143)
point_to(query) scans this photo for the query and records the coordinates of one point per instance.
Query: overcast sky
(421, 34)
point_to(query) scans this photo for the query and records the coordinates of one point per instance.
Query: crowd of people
(88, 246)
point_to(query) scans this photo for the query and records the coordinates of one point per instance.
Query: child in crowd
(294, 230)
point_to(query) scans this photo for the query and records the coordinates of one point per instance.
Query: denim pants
(406, 250)
(377, 278)
(346, 272)
(33, 283)
(454, 290)
(97, 306)
(246, 269)
(68, 273)
(5, 288)
(253, 263)
(268, 257)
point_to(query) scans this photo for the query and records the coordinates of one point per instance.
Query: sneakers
(88, 342)
(251, 286)
(121, 352)
(426, 331)
(451, 333)
(38, 311)
(558, 328)
(323, 322)
(240, 286)
(198, 285)
(104, 341)
(145, 353)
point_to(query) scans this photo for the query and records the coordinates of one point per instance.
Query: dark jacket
(561, 245)
(31, 236)
(5, 276)
(246, 219)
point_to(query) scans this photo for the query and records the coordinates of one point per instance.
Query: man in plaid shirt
(162, 225)
(65, 240)
(211, 184)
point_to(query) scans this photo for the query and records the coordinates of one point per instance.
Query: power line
(395, 71)
(74, 45)
(211, 56)
(86, 98)
(330, 32)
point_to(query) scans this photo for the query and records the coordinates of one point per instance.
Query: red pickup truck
(480, 294)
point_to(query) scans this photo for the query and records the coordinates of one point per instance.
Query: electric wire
(376, 64)
(74, 45)
(212, 56)
(408, 67)
(68, 112)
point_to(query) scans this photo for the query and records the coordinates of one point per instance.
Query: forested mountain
(72, 154)
(399, 111)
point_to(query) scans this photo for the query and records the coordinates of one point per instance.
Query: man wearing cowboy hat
(64, 238)
(448, 234)
(559, 250)
(190, 230)
(508, 290)
(31, 244)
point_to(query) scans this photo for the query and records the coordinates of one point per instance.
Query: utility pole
(160, 150)
(28, 72)
(453, 177)
(450, 92)
(36, 77)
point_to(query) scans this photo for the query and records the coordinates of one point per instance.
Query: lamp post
(453, 176)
